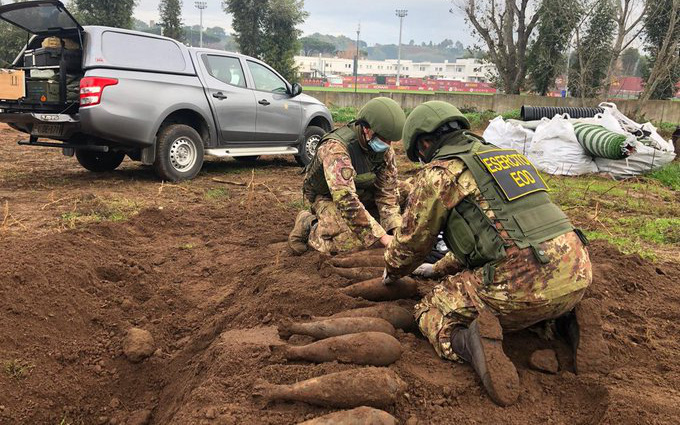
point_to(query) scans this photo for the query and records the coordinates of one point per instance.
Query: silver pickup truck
(102, 93)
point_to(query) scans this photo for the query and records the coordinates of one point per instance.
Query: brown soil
(204, 268)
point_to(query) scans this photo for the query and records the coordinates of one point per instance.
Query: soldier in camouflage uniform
(352, 183)
(514, 258)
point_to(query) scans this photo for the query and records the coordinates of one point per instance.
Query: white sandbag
(508, 135)
(661, 144)
(606, 120)
(555, 150)
(644, 160)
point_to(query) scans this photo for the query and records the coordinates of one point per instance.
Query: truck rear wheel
(179, 153)
(99, 162)
(311, 140)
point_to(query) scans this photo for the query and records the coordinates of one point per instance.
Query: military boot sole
(297, 239)
(497, 372)
(591, 353)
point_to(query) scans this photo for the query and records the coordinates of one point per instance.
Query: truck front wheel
(311, 140)
(179, 153)
(99, 161)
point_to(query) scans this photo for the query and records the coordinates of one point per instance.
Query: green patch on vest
(513, 172)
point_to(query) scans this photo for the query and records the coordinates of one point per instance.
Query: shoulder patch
(346, 173)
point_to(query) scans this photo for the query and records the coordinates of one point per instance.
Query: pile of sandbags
(609, 142)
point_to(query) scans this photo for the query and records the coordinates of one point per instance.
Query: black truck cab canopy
(42, 17)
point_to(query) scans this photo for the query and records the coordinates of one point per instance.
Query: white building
(470, 70)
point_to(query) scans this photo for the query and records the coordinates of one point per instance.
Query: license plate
(47, 130)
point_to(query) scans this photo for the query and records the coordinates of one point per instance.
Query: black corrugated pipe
(533, 113)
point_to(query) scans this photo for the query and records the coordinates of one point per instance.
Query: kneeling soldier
(514, 260)
(351, 181)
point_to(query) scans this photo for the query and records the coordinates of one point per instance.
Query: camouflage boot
(297, 240)
(482, 345)
(583, 329)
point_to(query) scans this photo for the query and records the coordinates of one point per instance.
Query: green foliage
(12, 40)
(312, 46)
(217, 194)
(638, 215)
(657, 24)
(110, 13)
(344, 114)
(557, 20)
(17, 369)
(171, 19)
(593, 53)
(631, 61)
(668, 175)
(266, 29)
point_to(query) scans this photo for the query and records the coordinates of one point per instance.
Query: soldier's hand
(388, 280)
(386, 239)
(425, 270)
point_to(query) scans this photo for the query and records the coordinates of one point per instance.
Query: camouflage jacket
(437, 189)
(340, 173)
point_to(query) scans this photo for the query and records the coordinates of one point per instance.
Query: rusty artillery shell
(335, 327)
(399, 317)
(375, 290)
(370, 386)
(359, 416)
(366, 348)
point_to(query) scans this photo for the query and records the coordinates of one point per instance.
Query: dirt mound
(211, 284)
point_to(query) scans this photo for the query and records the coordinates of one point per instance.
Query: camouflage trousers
(519, 290)
(331, 235)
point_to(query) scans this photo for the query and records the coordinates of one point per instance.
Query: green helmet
(426, 118)
(385, 117)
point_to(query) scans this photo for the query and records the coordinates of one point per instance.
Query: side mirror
(296, 90)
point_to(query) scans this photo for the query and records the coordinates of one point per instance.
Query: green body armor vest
(515, 193)
(366, 164)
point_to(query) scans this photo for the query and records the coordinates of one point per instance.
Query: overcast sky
(427, 19)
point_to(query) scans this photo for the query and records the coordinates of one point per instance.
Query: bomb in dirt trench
(399, 317)
(376, 290)
(357, 274)
(369, 386)
(335, 327)
(366, 348)
(359, 416)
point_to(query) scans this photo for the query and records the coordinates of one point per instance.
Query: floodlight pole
(200, 5)
(356, 62)
(401, 13)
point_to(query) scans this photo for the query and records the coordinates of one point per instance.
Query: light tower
(356, 60)
(200, 5)
(401, 13)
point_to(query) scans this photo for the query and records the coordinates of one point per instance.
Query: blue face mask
(378, 145)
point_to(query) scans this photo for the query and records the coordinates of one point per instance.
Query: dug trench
(211, 283)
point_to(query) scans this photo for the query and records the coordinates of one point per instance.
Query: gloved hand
(387, 280)
(425, 270)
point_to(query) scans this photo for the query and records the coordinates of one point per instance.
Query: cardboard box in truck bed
(12, 84)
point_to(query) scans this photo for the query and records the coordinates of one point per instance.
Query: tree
(557, 21)
(110, 13)
(505, 26)
(593, 50)
(662, 33)
(630, 62)
(312, 45)
(266, 29)
(171, 19)
(282, 37)
(628, 15)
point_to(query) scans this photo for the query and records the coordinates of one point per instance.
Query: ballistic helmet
(384, 116)
(428, 118)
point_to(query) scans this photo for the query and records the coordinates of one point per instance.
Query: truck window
(139, 52)
(226, 69)
(266, 80)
